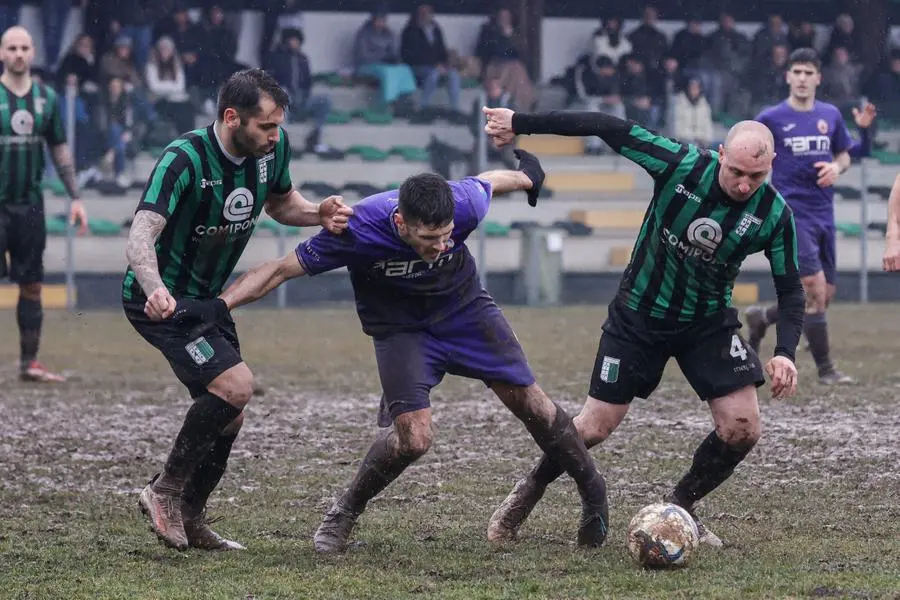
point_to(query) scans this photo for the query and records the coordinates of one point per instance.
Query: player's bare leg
(596, 421)
(30, 318)
(395, 449)
(198, 488)
(737, 430)
(815, 327)
(555, 433)
(204, 423)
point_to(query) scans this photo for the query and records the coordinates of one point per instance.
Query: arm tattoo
(65, 167)
(141, 250)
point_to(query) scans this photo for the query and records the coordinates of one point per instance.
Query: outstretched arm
(260, 280)
(293, 209)
(504, 182)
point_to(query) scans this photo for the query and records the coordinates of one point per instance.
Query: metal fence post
(481, 143)
(864, 225)
(71, 96)
(281, 292)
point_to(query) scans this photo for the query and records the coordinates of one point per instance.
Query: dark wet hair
(427, 199)
(243, 90)
(804, 56)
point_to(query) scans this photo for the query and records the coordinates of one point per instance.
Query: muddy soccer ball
(662, 535)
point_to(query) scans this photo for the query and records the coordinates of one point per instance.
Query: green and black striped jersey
(693, 238)
(26, 122)
(212, 204)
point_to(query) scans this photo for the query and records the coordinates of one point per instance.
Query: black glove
(207, 311)
(531, 166)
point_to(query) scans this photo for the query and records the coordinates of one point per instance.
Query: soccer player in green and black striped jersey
(709, 211)
(29, 117)
(198, 211)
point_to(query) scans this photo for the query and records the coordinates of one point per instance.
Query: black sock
(546, 471)
(815, 327)
(379, 468)
(30, 317)
(562, 445)
(714, 462)
(203, 424)
(208, 474)
(772, 315)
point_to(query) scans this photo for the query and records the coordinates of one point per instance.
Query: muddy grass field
(813, 512)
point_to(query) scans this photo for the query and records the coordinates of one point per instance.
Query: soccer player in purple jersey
(813, 147)
(418, 297)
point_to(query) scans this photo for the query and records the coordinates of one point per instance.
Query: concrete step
(361, 96)
(400, 133)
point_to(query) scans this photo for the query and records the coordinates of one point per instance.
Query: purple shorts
(477, 343)
(816, 248)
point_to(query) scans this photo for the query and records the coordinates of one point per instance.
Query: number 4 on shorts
(737, 348)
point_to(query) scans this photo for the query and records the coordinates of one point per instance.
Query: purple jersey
(395, 289)
(803, 138)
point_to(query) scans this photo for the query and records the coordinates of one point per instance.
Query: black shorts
(635, 348)
(198, 352)
(23, 234)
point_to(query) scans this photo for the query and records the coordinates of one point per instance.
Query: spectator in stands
(885, 88)
(188, 38)
(81, 61)
(841, 80)
(636, 92)
(422, 48)
(54, 14)
(802, 35)
(689, 47)
(9, 13)
(598, 89)
(167, 86)
(116, 119)
(668, 86)
(108, 20)
(375, 55)
(768, 85)
(280, 16)
(118, 63)
(609, 42)
(650, 43)
(692, 116)
(502, 58)
(85, 130)
(774, 33)
(216, 53)
(290, 67)
(728, 56)
(843, 36)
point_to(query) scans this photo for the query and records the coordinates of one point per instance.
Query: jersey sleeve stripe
(657, 141)
(651, 164)
(162, 192)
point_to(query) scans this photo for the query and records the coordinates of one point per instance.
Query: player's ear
(231, 118)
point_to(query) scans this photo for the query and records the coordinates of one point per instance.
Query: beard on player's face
(245, 143)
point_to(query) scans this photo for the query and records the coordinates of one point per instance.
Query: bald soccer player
(709, 211)
(29, 116)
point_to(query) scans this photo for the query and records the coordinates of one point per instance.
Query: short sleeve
(283, 183)
(55, 134)
(171, 178)
(841, 140)
(325, 252)
(473, 199)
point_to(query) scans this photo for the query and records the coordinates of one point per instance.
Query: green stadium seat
(372, 154)
(358, 149)
(495, 229)
(56, 226)
(849, 229)
(104, 227)
(393, 185)
(54, 186)
(886, 157)
(884, 191)
(361, 188)
(411, 153)
(339, 117)
(377, 117)
(469, 83)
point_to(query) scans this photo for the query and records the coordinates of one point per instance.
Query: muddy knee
(415, 442)
(592, 432)
(740, 433)
(234, 386)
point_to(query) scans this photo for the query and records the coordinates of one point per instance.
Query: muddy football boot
(333, 534)
(37, 372)
(201, 536)
(755, 317)
(705, 535)
(164, 512)
(835, 377)
(512, 512)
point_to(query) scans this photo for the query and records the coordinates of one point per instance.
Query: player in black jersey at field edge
(709, 211)
(198, 211)
(29, 116)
